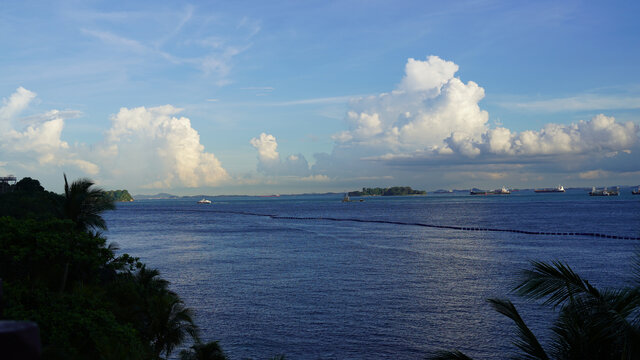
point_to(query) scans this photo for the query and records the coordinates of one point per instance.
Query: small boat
(204, 201)
(558, 189)
(346, 198)
(636, 191)
(604, 192)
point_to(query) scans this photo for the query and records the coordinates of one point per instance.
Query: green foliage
(33, 255)
(144, 298)
(118, 195)
(88, 302)
(36, 251)
(29, 185)
(392, 191)
(75, 325)
(31, 204)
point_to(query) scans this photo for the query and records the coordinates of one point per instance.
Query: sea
(312, 277)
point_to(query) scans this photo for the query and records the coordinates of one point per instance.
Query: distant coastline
(167, 196)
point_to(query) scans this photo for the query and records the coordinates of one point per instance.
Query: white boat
(346, 198)
(204, 201)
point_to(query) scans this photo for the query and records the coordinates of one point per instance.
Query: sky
(255, 97)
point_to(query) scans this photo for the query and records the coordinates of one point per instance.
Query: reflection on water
(317, 289)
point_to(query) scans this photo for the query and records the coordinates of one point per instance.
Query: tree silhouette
(85, 203)
(591, 323)
(206, 351)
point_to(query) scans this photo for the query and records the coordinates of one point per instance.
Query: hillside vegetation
(89, 302)
(392, 191)
(118, 195)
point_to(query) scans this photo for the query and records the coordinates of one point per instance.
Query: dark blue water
(326, 289)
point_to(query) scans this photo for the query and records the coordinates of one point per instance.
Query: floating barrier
(434, 226)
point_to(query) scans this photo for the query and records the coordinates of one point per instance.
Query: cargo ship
(557, 189)
(503, 191)
(604, 192)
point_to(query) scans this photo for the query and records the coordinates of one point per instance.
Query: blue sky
(170, 96)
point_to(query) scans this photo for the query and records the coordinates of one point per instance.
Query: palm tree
(171, 322)
(591, 323)
(159, 313)
(85, 203)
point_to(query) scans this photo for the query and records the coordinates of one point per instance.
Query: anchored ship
(502, 191)
(604, 192)
(557, 189)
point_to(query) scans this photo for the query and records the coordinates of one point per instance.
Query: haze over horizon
(288, 97)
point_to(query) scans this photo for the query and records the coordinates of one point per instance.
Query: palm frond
(636, 268)
(449, 355)
(113, 246)
(556, 282)
(527, 341)
(85, 203)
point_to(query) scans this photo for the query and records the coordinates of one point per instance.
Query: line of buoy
(449, 227)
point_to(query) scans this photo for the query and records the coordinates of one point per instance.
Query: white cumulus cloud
(159, 149)
(144, 148)
(38, 142)
(428, 106)
(433, 119)
(17, 102)
(601, 134)
(270, 163)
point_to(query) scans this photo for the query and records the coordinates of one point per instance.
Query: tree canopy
(392, 191)
(88, 301)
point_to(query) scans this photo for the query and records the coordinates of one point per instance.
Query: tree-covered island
(392, 191)
(118, 195)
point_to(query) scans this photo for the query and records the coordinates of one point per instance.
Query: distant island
(118, 195)
(392, 191)
(160, 196)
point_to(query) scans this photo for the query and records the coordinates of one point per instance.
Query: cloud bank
(144, 148)
(600, 134)
(431, 126)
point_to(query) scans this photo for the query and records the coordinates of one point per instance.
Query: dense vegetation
(89, 303)
(118, 195)
(392, 191)
(29, 200)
